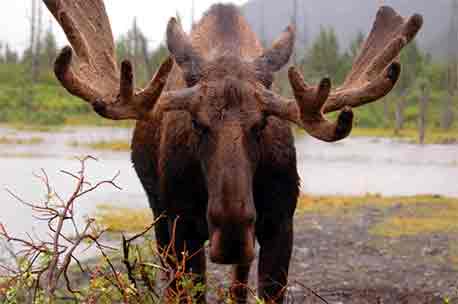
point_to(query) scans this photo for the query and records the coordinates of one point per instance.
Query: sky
(152, 17)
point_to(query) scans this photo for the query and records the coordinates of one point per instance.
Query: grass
(433, 136)
(422, 214)
(335, 204)
(92, 119)
(417, 215)
(117, 219)
(20, 141)
(33, 127)
(399, 226)
(422, 218)
(104, 145)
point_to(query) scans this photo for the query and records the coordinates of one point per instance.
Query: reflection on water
(353, 166)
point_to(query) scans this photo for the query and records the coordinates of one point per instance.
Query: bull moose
(213, 146)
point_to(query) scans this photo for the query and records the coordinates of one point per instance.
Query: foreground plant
(46, 270)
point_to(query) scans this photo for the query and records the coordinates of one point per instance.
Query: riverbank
(433, 136)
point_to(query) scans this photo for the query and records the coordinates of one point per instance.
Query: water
(353, 166)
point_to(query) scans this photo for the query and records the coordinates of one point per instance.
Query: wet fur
(166, 157)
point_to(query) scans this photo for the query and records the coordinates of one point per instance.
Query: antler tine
(93, 74)
(373, 75)
(307, 109)
(376, 69)
(310, 103)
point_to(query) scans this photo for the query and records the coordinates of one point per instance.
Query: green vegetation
(433, 136)
(40, 102)
(31, 96)
(418, 214)
(422, 214)
(20, 141)
(423, 217)
(116, 219)
(114, 145)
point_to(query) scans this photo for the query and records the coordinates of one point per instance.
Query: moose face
(229, 126)
(229, 100)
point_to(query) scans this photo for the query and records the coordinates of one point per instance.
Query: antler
(376, 69)
(93, 74)
(373, 75)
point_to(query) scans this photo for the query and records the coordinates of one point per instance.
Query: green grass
(92, 119)
(422, 218)
(418, 214)
(433, 136)
(30, 127)
(116, 219)
(103, 145)
(421, 214)
(20, 141)
(335, 204)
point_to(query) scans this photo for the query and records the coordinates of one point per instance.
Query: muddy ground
(337, 257)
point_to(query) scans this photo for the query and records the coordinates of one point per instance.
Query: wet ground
(338, 258)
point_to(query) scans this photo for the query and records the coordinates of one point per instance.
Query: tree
(2, 56)
(49, 52)
(10, 55)
(424, 99)
(356, 44)
(134, 47)
(412, 65)
(294, 23)
(452, 73)
(324, 58)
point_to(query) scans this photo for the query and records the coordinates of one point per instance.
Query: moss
(423, 218)
(333, 204)
(33, 127)
(433, 136)
(404, 226)
(420, 214)
(116, 219)
(114, 145)
(20, 141)
(92, 119)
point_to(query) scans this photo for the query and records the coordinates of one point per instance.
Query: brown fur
(228, 172)
(214, 150)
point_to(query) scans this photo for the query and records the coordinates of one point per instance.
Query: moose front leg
(186, 258)
(239, 288)
(276, 241)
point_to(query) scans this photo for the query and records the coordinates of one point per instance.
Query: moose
(213, 145)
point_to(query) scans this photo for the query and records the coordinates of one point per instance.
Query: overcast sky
(152, 16)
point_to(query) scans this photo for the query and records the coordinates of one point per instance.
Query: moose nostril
(232, 247)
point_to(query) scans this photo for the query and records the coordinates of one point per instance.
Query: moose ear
(275, 58)
(179, 45)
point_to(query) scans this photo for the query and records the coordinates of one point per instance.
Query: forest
(425, 95)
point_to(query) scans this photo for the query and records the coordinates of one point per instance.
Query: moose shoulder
(213, 146)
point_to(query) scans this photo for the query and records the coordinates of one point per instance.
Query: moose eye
(199, 127)
(258, 127)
